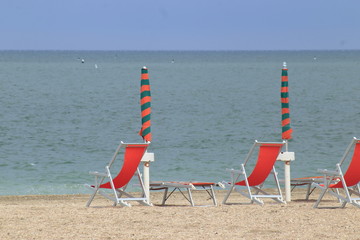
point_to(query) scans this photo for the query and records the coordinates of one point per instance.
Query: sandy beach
(66, 217)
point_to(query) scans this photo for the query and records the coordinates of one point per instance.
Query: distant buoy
(82, 60)
(96, 66)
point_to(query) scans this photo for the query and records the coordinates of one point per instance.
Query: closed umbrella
(145, 102)
(286, 156)
(285, 110)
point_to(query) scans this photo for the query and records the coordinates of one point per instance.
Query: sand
(66, 217)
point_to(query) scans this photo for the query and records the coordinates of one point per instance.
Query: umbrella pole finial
(284, 64)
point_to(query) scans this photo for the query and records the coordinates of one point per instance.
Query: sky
(179, 25)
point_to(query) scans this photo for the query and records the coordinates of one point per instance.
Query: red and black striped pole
(285, 108)
(145, 102)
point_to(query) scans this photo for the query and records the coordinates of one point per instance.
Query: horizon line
(179, 50)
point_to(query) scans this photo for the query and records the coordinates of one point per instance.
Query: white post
(146, 173)
(287, 157)
(287, 181)
(147, 158)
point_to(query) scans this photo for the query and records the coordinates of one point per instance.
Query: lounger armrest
(328, 172)
(221, 184)
(98, 174)
(178, 185)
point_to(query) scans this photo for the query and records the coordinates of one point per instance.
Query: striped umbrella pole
(145, 102)
(286, 128)
(285, 110)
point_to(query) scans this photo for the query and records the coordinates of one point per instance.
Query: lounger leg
(112, 185)
(190, 197)
(253, 198)
(258, 189)
(344, 203)
(92, 196)
(354, 190)
(213, 195)
(338, 193)
(352, 200)
(308, 192)
(95, 190)
(165, 196)
(324, 190)
(144, 202)
(250, 195)
(118, 195)
(357, 188)
(279, 198)
(228, 194)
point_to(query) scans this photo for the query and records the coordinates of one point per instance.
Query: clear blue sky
(179, 25)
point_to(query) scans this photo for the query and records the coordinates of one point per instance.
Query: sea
(63, 113)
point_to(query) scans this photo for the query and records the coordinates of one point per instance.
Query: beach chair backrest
(133, 154)
(352, 175)
(267, 156)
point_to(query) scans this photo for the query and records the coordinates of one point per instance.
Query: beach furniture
(344, 185)
(305, 181)
(115, 187)
(170, 187)
(251, 186)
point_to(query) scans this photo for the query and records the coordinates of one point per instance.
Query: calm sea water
(60, 118)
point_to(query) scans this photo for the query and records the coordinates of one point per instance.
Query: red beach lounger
(267, 155)
(189, 186)
(348, 182)
(116, 186)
